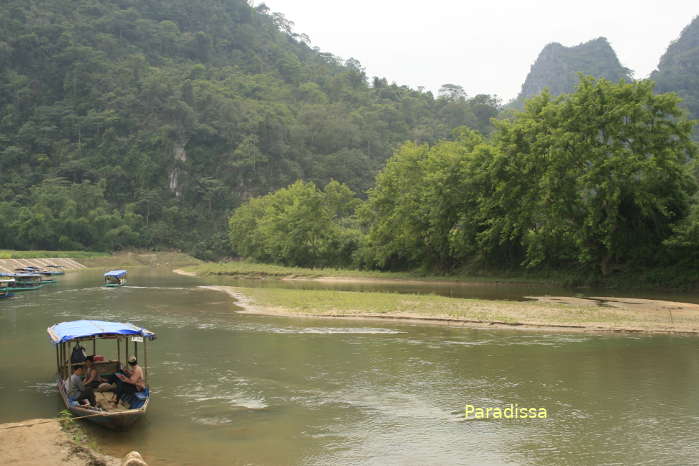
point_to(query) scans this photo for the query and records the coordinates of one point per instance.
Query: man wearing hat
(132, 379)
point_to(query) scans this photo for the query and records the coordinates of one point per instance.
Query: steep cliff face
(557, 68)
(678, 70)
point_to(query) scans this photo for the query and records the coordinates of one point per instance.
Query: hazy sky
(486, 46)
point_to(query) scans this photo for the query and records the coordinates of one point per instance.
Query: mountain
(678, 70)
(557, 68)
(130, 123)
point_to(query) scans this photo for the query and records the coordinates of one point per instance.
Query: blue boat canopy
(20, 275)
(68, 331)
(116, 273)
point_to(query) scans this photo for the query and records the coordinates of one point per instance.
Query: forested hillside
(678, 70)
(143, 123)
(599, 181)
(557, 68)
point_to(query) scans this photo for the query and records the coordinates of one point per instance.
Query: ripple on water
(334, 330)
(45, 388)
(227, 391)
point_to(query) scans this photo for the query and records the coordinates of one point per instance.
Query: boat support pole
(145, 360)
(119, 351)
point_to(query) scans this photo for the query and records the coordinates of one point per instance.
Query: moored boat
(5, 284)
(115, 278)
(24, 281)
(44, 272)
(67, 335)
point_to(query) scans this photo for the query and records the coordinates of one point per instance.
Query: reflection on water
(242, 389)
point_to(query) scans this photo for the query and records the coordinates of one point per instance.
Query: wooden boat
(5, 284)
(44, 272)
(67, 335)
(115, 278)
(24, 281)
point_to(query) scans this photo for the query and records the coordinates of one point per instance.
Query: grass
(141, 258)
(10, 254)
(668, 278)
(531, 313)
(247, 269)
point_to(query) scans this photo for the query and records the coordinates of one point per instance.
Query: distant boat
(115, 278)
(34, 269)
(24, 281)
(67, 334)
(5, 284)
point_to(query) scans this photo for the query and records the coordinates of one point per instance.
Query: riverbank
(12, 254)
(252, 270)
(44, 442)
(91, 259)
(663, 279)
(124, 259)
(539, 313)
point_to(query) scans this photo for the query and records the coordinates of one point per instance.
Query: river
(241, 389)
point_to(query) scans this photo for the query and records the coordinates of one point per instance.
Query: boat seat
(138, 399)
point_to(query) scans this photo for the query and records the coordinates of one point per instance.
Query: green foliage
(415, 213)
(298, 225)
(181, 113)
(5, 254)
(596, 179)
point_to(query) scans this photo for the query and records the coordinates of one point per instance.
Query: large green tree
(298, 225)
(597, 177)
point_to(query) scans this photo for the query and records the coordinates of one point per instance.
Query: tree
(297, 225)
(597, 177)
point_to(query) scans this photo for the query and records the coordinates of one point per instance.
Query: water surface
(240, 389)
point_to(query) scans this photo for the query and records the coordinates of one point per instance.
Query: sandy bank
(599, 314)
(390, 281)
(43, 442)
(353, 280)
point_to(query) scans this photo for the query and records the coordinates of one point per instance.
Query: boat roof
(6, 280)
(77, 329)
(116, 273)
(20, 275)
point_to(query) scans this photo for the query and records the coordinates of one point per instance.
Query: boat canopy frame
(93, 330)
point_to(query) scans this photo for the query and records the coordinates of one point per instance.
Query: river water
(241, 389)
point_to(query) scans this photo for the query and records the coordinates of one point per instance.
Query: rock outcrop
(557, 68)
(678, 70)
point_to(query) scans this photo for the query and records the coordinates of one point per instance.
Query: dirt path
(43, 442)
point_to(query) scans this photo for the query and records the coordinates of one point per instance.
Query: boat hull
(25, 288)
(112, 285)
(112, 420)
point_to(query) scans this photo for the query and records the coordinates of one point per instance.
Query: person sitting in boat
(92, 378)
(131, 378)
(77, 390)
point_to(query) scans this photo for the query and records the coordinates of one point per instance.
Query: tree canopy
(182, 110)
(598, 179)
